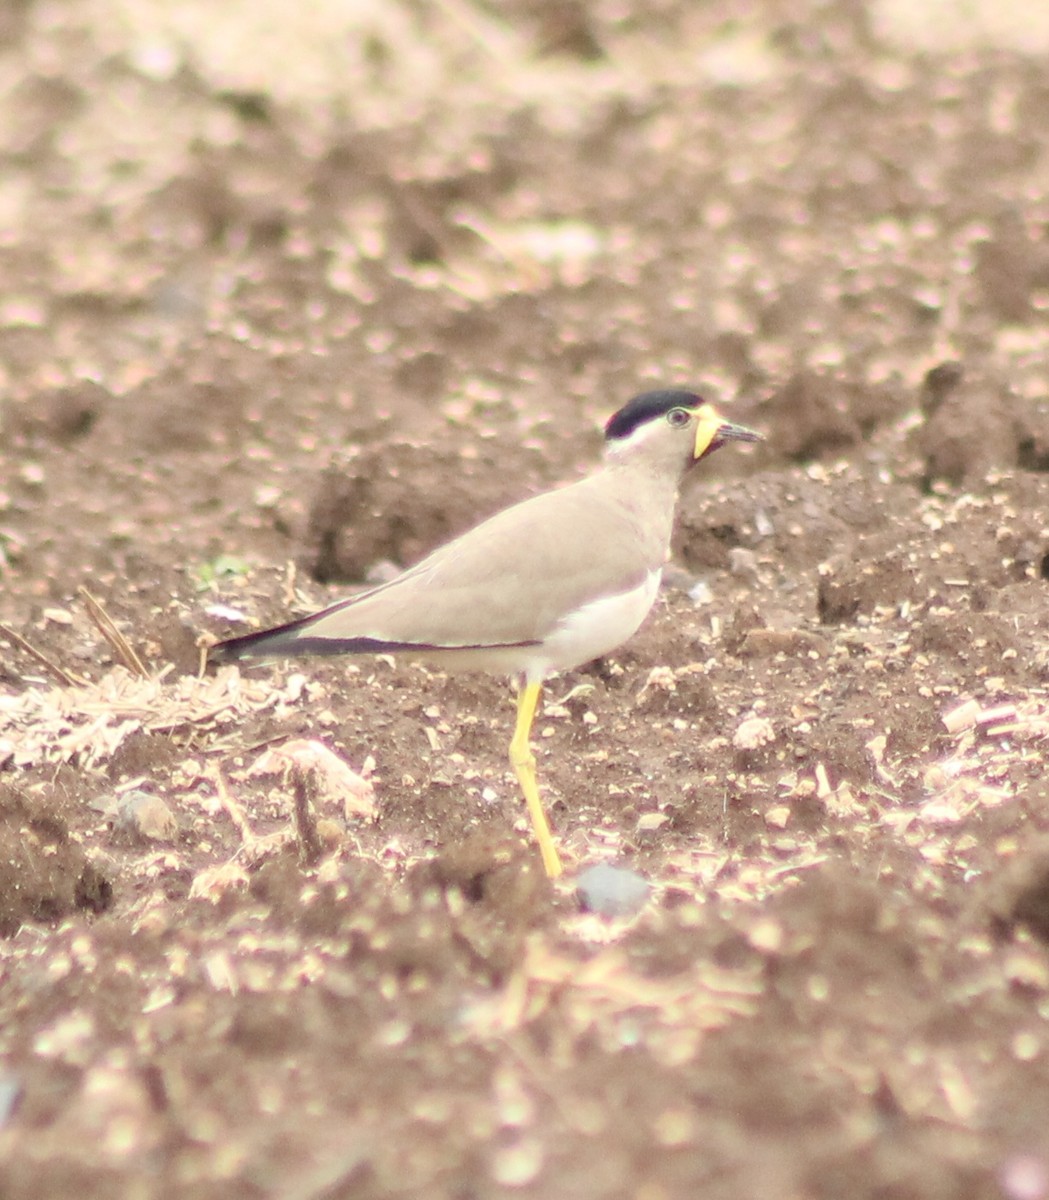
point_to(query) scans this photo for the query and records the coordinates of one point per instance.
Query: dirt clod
(44, 874)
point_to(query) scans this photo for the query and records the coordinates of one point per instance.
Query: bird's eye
(678, 417)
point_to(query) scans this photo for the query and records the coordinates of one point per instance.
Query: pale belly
(595, 629)
(600, 626)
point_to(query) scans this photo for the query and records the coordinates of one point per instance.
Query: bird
(547, 585)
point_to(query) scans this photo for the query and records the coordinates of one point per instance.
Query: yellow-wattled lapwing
(541, 587)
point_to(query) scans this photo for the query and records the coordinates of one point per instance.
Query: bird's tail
(279, 642)
(298, 639)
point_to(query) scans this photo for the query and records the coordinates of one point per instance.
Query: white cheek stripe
(625, 447)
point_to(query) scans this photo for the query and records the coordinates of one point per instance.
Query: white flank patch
(600, 626)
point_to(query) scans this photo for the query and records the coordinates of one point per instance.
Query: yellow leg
(523, 762)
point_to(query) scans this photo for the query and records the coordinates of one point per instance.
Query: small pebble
(145, 818)
(700, 592)
(753, 733)
(763, 524)
(651, 821)
(612, 891)
(382, 572)
(226, 613)
(676, 578)
(743, 562)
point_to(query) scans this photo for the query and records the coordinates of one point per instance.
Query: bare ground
(283, 306)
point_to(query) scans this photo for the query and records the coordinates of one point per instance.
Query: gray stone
(145, 818)
(612, 891)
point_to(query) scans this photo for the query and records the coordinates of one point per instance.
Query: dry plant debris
(86, 725)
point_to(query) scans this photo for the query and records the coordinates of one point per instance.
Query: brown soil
(265, 330)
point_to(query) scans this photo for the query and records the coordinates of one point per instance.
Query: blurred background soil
(288, 297)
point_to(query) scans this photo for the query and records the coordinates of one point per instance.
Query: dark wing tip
(248, 645)
(289, 642)
(279, 641)
(646, 407)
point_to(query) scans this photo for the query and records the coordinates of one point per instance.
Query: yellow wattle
(708, 422)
